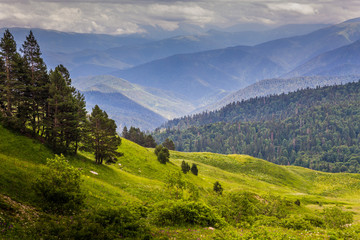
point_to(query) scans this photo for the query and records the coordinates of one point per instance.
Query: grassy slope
(140, 177)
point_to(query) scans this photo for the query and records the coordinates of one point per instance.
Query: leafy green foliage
(58, 187)
(185, 213)
(115, 223)
(335, 217)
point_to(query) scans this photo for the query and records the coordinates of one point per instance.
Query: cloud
(128, 16)
(305, 9)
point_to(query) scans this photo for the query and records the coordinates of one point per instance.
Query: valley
(176, 128)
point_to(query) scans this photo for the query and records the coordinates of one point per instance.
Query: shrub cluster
(162, 154)
(183, 213)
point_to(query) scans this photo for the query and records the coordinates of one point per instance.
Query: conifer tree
(59, 97)
(66, 112)
(149, 141)
(169, 144)
(218, 188)
(102, 139)
(194, 169)
(8, 54)
(39, 83)
(185, 168)
(124, 133)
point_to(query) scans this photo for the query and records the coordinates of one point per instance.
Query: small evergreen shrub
(185, 167)
(162, 154)
(218, 188)
(194, 169)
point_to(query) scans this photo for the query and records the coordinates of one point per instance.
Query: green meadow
(138, 179)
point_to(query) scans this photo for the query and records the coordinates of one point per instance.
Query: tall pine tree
(8, 54)
(102, 139)
(66, 112)
(39, 84)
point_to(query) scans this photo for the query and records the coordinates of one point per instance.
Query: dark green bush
(185, 213)
(104, 224)
(58, 187)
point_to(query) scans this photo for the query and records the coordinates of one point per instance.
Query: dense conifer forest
(314, 128)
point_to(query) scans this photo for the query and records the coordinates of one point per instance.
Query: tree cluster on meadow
(44, 104)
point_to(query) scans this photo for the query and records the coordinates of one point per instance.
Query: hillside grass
(138, 177)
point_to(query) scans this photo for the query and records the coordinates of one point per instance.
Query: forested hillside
(278, 86)
(314, 128)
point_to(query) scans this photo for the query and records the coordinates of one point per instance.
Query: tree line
(44, 104)
(313, 128)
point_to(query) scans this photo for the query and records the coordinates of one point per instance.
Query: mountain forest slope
(139, 181)
(315, 128)
(274, 86)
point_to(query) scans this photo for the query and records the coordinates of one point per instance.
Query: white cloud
(127, 16)
(305, 9)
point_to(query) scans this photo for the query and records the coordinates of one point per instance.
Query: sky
(132, 16)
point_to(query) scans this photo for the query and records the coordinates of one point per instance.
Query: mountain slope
(161, 102)
(277, 86)
(139, 167)
(212, 39)
(316, 128)
(123, 110)
(341, 61)
(138, 182)
(202, 74)
(238, 67)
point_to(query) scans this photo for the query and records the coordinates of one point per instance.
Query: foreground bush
(58, 187)
(118, 223)
(185, 213)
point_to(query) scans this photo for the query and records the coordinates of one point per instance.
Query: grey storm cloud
(128, 16)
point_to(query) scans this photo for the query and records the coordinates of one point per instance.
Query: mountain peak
(354, 20)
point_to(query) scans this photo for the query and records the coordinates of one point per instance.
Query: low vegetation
(140, 198)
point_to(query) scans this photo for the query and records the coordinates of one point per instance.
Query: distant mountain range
(198, 75)
(97, 54)
(171, 76)
(344, 60)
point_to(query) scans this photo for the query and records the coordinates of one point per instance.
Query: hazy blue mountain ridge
(123, 110)
(274, 86)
